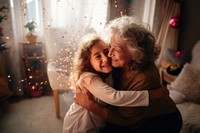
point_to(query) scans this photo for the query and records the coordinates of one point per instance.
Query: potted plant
(31, 25)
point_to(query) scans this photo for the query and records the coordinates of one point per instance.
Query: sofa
(185, 91)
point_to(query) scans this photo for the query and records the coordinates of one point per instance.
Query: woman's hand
(84, 98)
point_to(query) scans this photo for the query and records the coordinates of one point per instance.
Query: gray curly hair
(137, 38)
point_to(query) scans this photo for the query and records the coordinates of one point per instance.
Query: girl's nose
(105, 58)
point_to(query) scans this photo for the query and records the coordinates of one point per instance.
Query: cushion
(176, 96)
(188, 83)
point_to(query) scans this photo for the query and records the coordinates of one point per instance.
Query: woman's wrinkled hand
(83, 98)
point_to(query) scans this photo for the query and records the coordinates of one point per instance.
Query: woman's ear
(135, 54)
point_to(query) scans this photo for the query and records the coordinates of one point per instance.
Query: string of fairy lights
(64, 54)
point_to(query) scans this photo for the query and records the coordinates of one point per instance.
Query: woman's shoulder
(149, 75)
(150, 71)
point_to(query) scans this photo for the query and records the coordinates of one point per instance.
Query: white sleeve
(111, 96)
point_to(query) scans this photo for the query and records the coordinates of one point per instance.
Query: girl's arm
(109, 95)
(85, 99)
(104, 92)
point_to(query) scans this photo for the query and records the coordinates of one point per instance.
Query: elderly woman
(133, 52)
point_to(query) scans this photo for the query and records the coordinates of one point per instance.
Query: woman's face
(99, 58)
(119, 54)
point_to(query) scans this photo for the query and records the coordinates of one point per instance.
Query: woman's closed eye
(116, 49)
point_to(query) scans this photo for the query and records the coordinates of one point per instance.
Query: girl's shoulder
(87, 75)
(84, 74)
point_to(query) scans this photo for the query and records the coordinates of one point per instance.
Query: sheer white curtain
(65, 21)
(60, 24)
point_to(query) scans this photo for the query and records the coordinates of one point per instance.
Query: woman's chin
(115, 64)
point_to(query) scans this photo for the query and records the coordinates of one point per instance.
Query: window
(65, 18)
(33, 11)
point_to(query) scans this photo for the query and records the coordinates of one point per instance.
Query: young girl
(91, 69)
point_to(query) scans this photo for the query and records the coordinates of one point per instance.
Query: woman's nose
(110, 52)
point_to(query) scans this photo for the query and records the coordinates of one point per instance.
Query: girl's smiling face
(99, 58)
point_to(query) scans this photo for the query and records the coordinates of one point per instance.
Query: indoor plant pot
(30, 37)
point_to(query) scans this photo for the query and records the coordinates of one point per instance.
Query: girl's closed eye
(97, 56)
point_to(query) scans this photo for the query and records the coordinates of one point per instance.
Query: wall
(190, 25)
